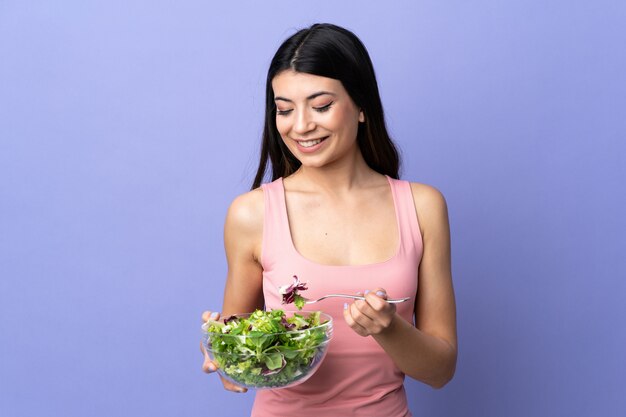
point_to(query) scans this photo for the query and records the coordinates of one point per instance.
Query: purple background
(127, 127)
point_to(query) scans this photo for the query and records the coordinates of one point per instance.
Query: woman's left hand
(371, 316)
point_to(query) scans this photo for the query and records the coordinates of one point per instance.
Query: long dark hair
(334, 52)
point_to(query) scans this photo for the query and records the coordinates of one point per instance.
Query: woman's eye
(283, 112)
(324, 108)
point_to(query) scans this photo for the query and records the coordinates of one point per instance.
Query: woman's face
(316, 118)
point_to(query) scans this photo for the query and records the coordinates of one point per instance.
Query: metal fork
(355, 297)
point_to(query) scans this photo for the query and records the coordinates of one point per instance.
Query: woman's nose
(303, 122)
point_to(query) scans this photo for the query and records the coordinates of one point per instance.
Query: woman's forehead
(299, 85)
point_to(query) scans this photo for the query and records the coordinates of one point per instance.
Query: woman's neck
(337, 178)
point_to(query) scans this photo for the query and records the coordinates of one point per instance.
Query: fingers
(362, 309)
(208, 365)
(375, 301)
(232, 387)
(347, 315)
(208, 315)
(381, 293)
(205, 316)
(372, 315)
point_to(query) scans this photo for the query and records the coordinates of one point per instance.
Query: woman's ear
(361, 117)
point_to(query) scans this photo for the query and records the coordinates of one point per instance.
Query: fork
(355, 297)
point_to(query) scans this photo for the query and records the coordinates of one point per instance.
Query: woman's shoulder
(426, 193)
(246, 211)
(430, 203)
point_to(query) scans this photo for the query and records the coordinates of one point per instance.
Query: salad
(268, 349)
(290, 293)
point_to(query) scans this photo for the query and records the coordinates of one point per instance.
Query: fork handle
(360, 297)
(399, 300)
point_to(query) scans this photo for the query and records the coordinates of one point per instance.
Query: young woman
(336, 215)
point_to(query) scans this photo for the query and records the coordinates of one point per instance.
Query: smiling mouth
(309, 143)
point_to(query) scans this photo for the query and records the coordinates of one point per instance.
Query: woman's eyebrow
(311, 97)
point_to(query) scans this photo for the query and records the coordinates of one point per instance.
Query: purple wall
(127, 127)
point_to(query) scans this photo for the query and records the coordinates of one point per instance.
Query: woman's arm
(428, 351)
(243, 235)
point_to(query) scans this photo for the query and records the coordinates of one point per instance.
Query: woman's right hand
(209, 366)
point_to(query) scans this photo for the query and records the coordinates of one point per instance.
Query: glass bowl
(264, 360)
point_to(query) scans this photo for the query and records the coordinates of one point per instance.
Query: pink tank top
(357, 377)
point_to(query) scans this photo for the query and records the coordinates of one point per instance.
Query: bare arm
(427, 351)
(243, 232)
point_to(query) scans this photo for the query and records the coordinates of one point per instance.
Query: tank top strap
(276, 235)
(407, 216)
